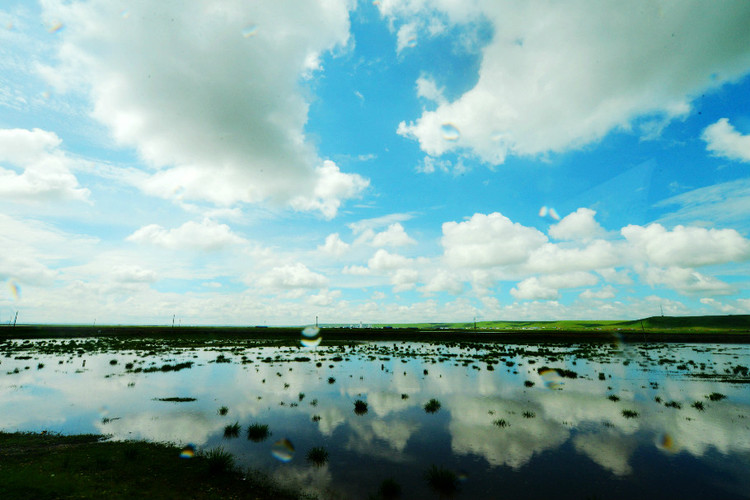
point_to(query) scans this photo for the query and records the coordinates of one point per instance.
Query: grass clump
(529, 414)
(432, 406)
(176, 399)
(441, 480)
(257, 432)
(502, 423)
(629, 414)
(223, 411)
(698, 405)
(673, 404)
(331, 380)
(716, 396)
(360, 407)
(528, 383)
(317, 456)
(220, 461)
(389, 489)
(613, 398)
(232, 430)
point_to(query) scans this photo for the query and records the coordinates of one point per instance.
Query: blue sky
(391, 161)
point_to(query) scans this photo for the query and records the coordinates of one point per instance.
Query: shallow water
(496, 432)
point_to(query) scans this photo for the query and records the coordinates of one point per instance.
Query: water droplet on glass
(553, 214)
(450, 132)
(249, 31)
(311, 337)
(411, 42)
(15, 289)
(56, 26)
(552, 379)
(665, 442)
(283, 450)
(125, 13)
(543, 211)
(188, 451)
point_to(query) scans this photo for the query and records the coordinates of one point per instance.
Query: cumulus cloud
(383, 260)
(45, 170)
(723, 140)
(686, 281)
(293, 276)
(580, 225)
(489, 240)
(204, 235)
(547, 287)
(394, 236)
(334, 245)
(687, 246)
(607, 292)
(209, 94)
(644, 59)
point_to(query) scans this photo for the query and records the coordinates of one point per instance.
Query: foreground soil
(42, 466)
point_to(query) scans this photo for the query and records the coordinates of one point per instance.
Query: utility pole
(14, 319)
(173, 320)
(475, 323)
(316, 321)
(662, 310)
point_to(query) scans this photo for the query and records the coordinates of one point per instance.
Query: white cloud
(324, 298)
(293, 276)
(554, 258)
(394, 236)
(356, 270)
(404, 279)
(607, 292)
(547, 287)
(378, 222)
(428, 89)
(642, 59)
(580, 225)
(406, 37)
(489, 240)
(383, 260)
(220, 114)
(686, 281)
(687, 246)
(723, 140)
(334, 245)
(133, 274)
(205, 235)
(46, 171)
(443, 281)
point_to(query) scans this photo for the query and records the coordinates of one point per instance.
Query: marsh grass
(232, 430)
(360, 407)
(441, 480)
(716, 396)
(629, 414)
(257, 432)
(698, 405)
(529, 414)
(502, 423)
(223, 411)
(317, 456)
(176, 399)
(219, 461)
(613, 398)
(432, 406)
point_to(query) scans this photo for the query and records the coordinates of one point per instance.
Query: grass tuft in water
(502, 423)
(220, 461)
(716, 396)
(613, 397)
(698, 405)
(432, 406)
(257, 432)
(223, 411)
(232, 430)
(629, 414)
(529, 414)
(360, 407)
(317, 456)
(441, 480)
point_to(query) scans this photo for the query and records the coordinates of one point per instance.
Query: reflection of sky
(396, 434)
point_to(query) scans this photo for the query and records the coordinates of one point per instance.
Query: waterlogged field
(376, 419)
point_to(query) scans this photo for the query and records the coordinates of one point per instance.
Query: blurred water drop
(56, 26)
(552, 379)
(543, 211)
(450, 132)
(311, 337)
(188, 451)
(665, 442)
(411, 42)
(15, 289)
(283, 450)
(125, 13)
(553, 214)
(249, 31)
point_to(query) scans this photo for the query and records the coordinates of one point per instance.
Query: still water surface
(629, 423)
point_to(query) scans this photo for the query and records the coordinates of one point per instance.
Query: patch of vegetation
(220, 461)
(432, 406)
(176, 399)
(389, 489)
(360, 407)
(257, 432)
(529, 414)
(716, 396)
(613, 397)
(629, 414)
(223, 411)
(528, 383)
(232, 430)
(317, 456)
(673, 404)
(441, 480)
(47, 466)
(502, 423)
(560, 371)
(698, 405)
(331, 380)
